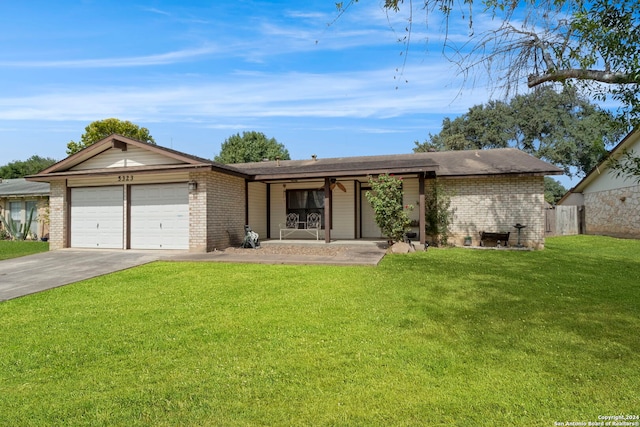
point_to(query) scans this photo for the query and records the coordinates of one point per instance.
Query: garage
(97, 217)
(159, 216)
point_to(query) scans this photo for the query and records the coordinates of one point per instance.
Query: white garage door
(97, 217)
(160, 216)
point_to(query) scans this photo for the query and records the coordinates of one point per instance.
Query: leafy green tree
(385, 197)
(553, 190)
(559, 127)
(251, 147)
(31, 166)
(101, 129)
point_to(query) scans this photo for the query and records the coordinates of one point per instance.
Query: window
(34, 220)
(15, 209)
(304, 202)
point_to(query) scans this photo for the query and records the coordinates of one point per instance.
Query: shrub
(386, 199)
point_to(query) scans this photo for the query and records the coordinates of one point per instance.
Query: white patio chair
(314, 224)
(290, 225)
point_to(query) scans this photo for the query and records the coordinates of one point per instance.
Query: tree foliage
(561, 128)
(594, 44)
(385, 197)
(101, 129)
(31, 166)
(251, 147)
(553, 190)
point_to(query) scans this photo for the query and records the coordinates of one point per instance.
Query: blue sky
(195, 73)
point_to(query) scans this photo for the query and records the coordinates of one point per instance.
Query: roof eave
(601, 167)
(340, 173)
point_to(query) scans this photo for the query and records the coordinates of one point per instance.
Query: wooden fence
(564, 220)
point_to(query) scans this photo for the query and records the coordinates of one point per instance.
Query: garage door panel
(97, 217)
(160, 216)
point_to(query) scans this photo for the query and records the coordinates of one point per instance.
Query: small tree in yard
(438, 214)
(386, 199)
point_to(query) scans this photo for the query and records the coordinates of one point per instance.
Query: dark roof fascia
(504, 174)
(340, 173)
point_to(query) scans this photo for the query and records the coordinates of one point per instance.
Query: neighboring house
(611, 203)
(18, 197)
(123, 193)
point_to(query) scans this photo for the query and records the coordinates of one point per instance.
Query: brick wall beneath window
(496, 204)
(216, 211)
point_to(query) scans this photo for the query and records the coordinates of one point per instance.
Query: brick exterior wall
(58, 215)
(496, 204)
(216, 211)
(614, 212)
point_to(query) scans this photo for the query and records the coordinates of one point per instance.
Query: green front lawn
(13, 249)
(444, 337)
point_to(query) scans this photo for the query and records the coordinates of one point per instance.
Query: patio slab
(297, 252)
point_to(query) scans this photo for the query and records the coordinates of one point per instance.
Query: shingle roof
(447, 163)
(504, 161)
(22, 187)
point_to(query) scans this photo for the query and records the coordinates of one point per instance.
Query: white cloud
(136, 61)
(364, 94)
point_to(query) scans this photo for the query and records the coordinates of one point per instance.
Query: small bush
(386, 199)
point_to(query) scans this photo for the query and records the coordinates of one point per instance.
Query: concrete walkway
(35, 273)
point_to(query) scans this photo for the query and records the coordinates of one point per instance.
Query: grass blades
(17, 248)
(444, 337)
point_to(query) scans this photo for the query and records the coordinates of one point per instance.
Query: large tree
(22, 168)
(251, 147)
(593, 45)
(101, 129)
(559, 127)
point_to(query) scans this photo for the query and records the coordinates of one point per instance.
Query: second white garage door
(160, 216)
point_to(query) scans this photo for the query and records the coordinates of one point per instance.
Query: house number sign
(125, 178)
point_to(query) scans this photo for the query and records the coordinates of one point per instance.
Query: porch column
(327, 210)
(423, 209)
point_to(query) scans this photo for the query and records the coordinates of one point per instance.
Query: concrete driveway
(34, 273)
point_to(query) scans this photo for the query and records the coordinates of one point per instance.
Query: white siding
(131, 179)
(606, 181)
(258, 208)
(116, 158)
(411, 197)
(343, 212)
(278, 202)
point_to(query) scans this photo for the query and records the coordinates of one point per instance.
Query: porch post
(423, 209)
(327, 210)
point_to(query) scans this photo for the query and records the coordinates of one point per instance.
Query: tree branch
(579, 74)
